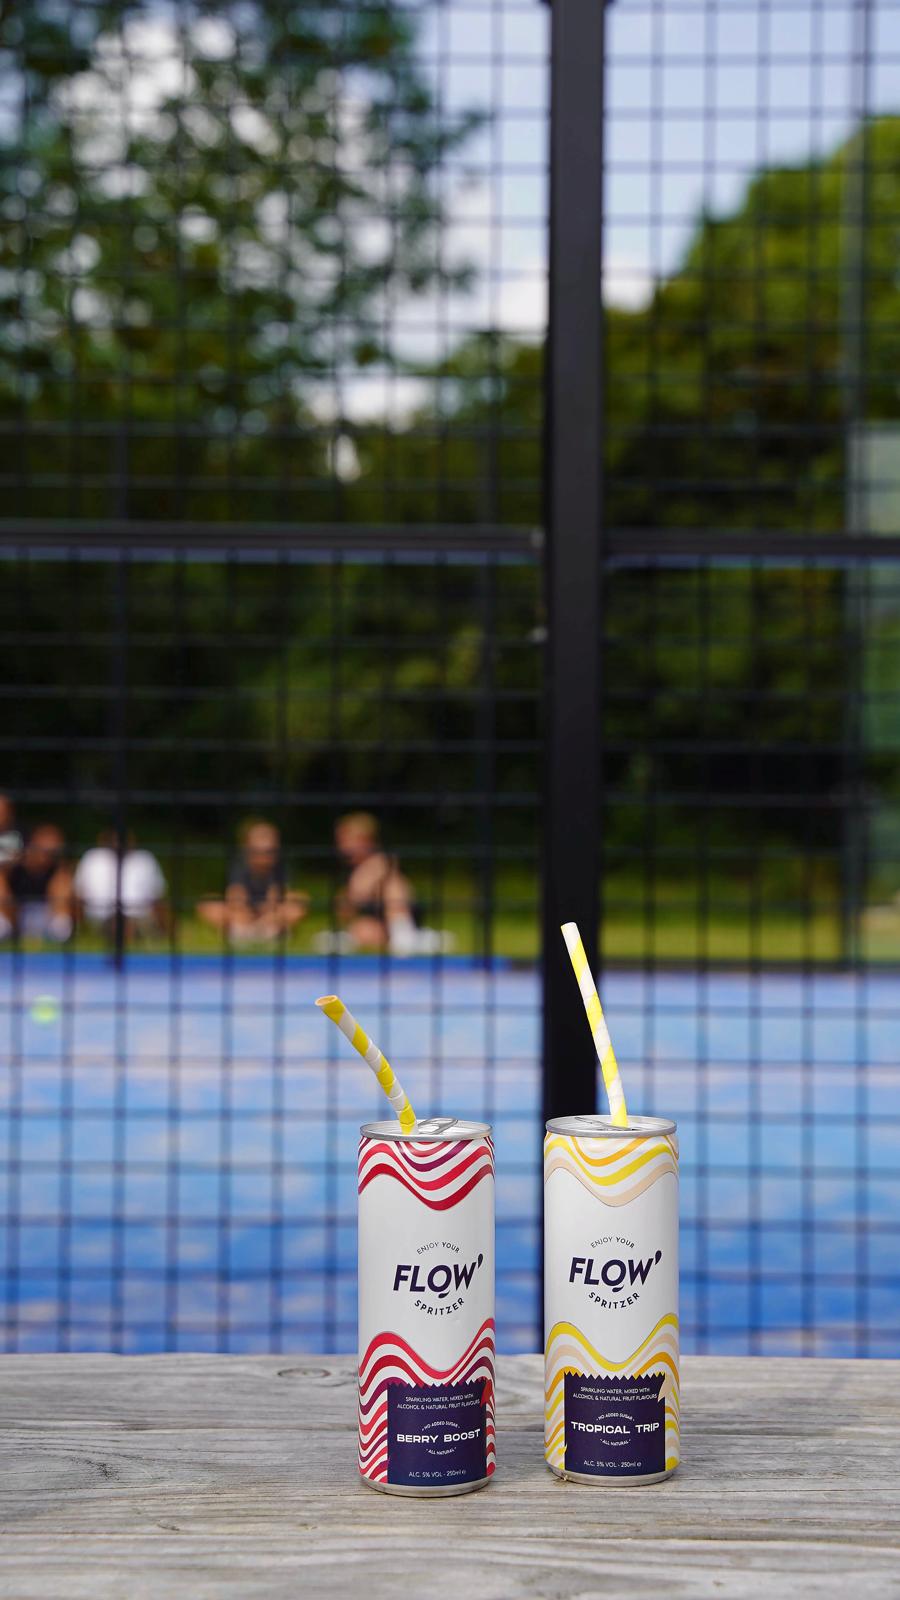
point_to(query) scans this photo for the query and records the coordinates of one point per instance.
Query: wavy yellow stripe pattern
(617, 1178)
(569, 1351)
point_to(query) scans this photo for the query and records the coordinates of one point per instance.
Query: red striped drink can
(426, 1307)
(611, 1299)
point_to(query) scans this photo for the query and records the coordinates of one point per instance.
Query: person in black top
(36, 897)
(258, 905)
(377, 904)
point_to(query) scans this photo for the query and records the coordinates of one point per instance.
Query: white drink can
(426, 1307)
(611, 1299)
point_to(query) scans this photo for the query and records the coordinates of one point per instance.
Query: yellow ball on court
(45, 1008)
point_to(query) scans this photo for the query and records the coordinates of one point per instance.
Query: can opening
(436, 1129)
(594, 1126)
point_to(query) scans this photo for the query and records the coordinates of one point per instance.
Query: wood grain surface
(221, 1476)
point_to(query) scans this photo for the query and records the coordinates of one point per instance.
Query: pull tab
(595, 1124)
(434, 1125)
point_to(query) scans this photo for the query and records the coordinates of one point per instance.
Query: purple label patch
(615, 1427)
(436, 1436)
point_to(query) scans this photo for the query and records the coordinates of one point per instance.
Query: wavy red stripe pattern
(456, 1169)
(389, 1359)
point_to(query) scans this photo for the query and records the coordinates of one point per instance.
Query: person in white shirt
(142, 888)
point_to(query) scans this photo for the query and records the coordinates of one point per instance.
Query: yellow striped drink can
(611, 1299)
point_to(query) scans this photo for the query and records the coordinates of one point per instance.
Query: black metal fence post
(119, 729)
(857, 179)
(574, 472)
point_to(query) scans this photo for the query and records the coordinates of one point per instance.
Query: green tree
(201, 213)
(732, 399)
(735, 400)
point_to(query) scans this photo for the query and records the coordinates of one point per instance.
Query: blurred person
(257, 906)
(142, 890)
(10, 837)
(377, 904)
(36, 894)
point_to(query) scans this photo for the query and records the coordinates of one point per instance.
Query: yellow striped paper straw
(334, 1008)
(602, 1042)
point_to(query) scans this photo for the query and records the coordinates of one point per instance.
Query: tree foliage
(202, 212)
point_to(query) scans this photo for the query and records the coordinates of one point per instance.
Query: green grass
(736, 922)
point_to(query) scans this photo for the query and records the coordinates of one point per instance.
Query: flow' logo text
(616, 1275)
(439, 1279)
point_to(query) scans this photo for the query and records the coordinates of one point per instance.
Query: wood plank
(230, 1476)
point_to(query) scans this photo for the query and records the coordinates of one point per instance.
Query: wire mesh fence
(271, 369)
(750, 878)
(749, 682)
(179, 1127)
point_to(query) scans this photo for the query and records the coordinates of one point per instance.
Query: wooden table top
(224, 1476)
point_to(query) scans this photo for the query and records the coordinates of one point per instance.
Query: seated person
(36, 898)
(377, 904)
(142, 888)
(257, 905)
(10, 837)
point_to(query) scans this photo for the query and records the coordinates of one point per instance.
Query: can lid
(597, 1127)
(430, 1129)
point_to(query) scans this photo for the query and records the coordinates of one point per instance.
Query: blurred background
(273, 314)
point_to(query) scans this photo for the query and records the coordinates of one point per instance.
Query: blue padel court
(178, 1144)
